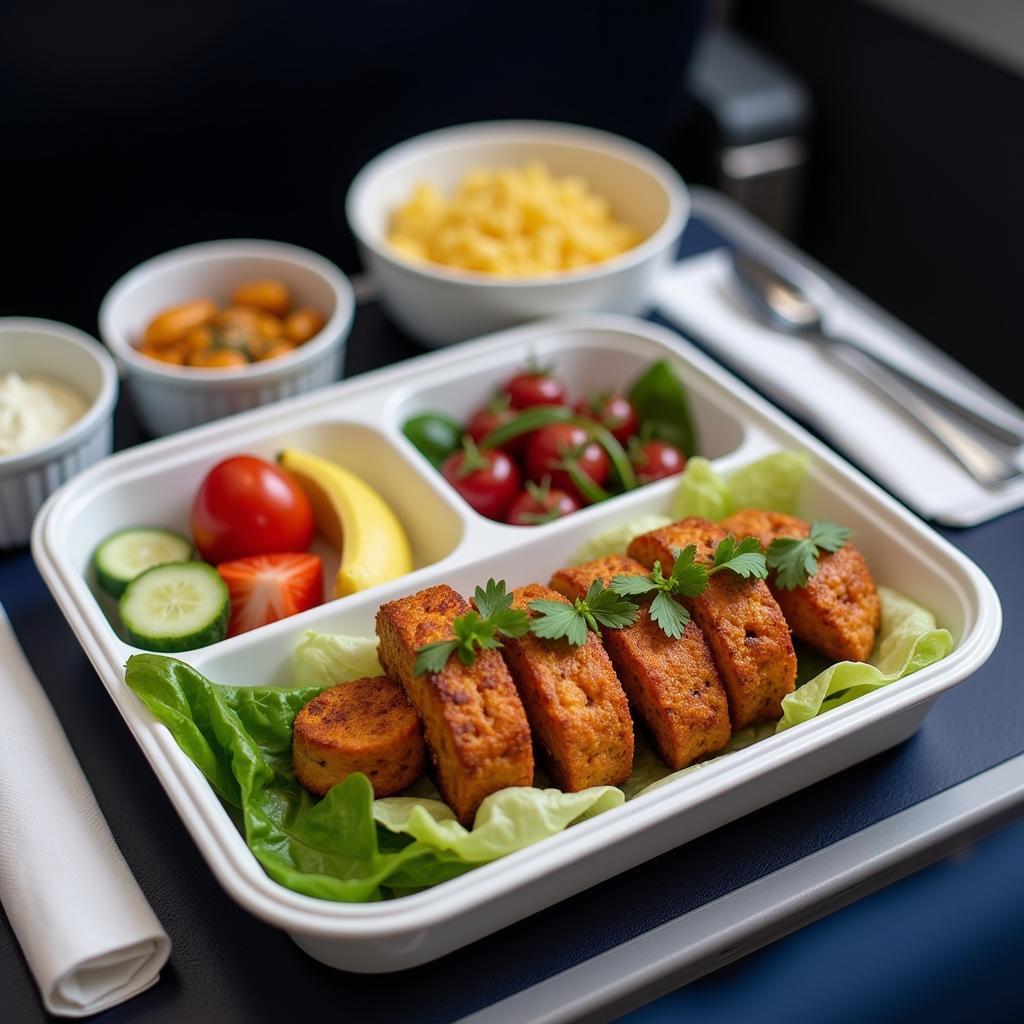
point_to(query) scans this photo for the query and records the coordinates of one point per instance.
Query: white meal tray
(357, 423)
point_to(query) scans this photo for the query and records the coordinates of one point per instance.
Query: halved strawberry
(265, 588)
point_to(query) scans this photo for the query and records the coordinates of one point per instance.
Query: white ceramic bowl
(439, 305)
(169, 398)
(69, 356)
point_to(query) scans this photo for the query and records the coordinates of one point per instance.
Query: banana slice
(355, 518)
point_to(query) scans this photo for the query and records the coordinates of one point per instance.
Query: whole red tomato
(487, 480)
(247, 506)
(551, 448)
(653, 460)
(535, 505)
(534, 387)
(614, 412)
(496, 413)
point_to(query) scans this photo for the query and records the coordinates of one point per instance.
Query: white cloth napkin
(698, 295)
(90, 938)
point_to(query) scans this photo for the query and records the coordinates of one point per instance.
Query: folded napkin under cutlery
(89, 935)
(700, 296)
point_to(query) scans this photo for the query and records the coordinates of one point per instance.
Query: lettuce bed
(349, 847)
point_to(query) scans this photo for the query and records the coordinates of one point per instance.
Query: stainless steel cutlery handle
(977, 418)
(983, 461)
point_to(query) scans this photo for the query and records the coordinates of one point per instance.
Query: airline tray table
(609, 948)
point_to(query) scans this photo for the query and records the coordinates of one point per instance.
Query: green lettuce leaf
(346, 846)
(907, 641)
(326, 659)
(773, 482)
(615, 540)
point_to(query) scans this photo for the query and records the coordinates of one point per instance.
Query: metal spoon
(785, 305)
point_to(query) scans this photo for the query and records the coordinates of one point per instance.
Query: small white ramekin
(439, 305)
(169, 398)
(71, 357)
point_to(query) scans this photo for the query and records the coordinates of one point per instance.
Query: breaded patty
(672, 684)
(741, 621)
(838, 611)
(368, 726)
(473, 719)
(574, 702)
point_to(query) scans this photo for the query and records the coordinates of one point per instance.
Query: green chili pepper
(435, 435)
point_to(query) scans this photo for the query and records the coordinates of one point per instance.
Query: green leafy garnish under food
(661, 403)
(795, 560)
(349, 847)
(690, 579)
(773, 483)
(601, 606)
(434, 434)
(476, 630)
(346, 846)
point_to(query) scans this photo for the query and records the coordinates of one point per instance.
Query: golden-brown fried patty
(672, 684)
(741, 621)
(475, 726)
(838, 610)
(368, 726)
(574, 702)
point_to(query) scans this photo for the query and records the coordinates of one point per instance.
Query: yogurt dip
(35, 410)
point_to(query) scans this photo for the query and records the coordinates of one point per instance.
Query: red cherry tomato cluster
(540, 474)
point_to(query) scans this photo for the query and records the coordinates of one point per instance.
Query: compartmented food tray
(358, 424)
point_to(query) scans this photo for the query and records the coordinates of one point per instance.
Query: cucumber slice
(176, 607)
(128, 553)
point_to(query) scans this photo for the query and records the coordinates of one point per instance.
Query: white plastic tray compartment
(592, 351)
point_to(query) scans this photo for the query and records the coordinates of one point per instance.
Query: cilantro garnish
(600, 607)
(795, 560)
(476, 630)
(690, 579)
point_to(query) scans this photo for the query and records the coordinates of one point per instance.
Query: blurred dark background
(128, 129)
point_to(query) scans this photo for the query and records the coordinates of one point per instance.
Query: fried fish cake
(672, 684)
(473, 719)
(574, 702)
(741, 621)
(368, 726)
(838, 610)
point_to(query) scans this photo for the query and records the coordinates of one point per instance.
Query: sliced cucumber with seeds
(176, 607)
(128, 553)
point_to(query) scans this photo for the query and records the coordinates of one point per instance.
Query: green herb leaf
(434, 657)
(601, 606)
(628, 586)
(659, 398)
(493, 598)
(668, 613)
(688, 579)
(532, 419)
(829, 536)
(745, 558)
(475, 631)
(795, 560)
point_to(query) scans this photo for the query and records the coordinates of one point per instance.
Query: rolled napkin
(90, 938)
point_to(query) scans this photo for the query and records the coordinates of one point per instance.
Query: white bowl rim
(513, 131)
(337, 325)
(101, 406)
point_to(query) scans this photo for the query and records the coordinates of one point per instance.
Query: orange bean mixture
(261, 323)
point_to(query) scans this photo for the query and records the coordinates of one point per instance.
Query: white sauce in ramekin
(35, 410)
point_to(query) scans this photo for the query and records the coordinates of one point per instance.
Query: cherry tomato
(496, 413)
(550, 448)
(535, 505)
(653, 460)
(488, 480)
(614, 412)
(247, 506)
(534, 387)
